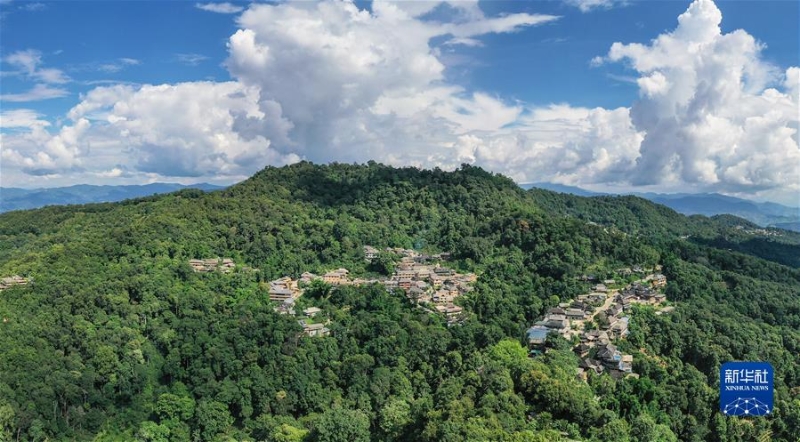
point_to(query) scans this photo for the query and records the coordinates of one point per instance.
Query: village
(423, 280)
(596, 319)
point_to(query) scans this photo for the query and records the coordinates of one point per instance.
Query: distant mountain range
(12, 198)
(708, 204)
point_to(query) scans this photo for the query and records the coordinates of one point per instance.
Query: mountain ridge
(14, 198)
(765, 214)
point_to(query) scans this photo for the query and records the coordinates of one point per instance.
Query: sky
(608, 95)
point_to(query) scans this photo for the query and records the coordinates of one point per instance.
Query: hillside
(707, 204)
(12, 198)
(116, 337)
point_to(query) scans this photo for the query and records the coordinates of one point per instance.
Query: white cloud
(332, 82)
(33, 7)
(39, 92)
(28, 62)
(21, 118)
(590, 5)
(362, 75)
(220, 8)
(709, 115)
(39, 153)
(190, 59)
(182, 130)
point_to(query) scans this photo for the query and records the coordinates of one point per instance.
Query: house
(449, 310)
(11, 281)
(227, 265)
(404, 272)
(626, 363)
(600, 288)
(582, 350)
(614, 310)
(557, 322)
(556, 311)
(371, 253)
(404, 283)
(536, 336)
(609, 282)
(307, 277)
(595, 336)
(658, 280)
(575, 313)
(312, 311)
(620, 327)
(314, 330)
(443, 271)
(278, 293)
(609, 355)
(338, 276)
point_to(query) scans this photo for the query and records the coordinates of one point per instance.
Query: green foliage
(117, 338)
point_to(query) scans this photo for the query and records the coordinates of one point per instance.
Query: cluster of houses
(608, 310)
(643, 294)
(422, 283)
(11, 281)
(224, 265)
(431, 284)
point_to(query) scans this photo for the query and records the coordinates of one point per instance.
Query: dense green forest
(116, 338)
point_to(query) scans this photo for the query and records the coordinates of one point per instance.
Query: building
(312, 311)
(371, 253)
(336, 277)
(314, 330)
(11, 281)
(277, 293)
(658, 280)
(575, 314)
(225, 265)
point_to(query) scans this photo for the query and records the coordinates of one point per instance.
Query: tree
(341, 425)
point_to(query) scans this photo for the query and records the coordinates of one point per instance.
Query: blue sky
(143, 91)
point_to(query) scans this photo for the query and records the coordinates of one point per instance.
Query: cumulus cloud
(345, 77)
(182, 130)
(711, 108)
(333, 82)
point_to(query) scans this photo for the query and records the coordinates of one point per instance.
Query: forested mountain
(117, 338)
(12, 198)
(708, 204)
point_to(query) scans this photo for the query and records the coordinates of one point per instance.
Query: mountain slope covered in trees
(116, 338)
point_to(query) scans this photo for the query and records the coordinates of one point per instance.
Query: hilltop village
(596, 319)
(425, 284)
(422, 278)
